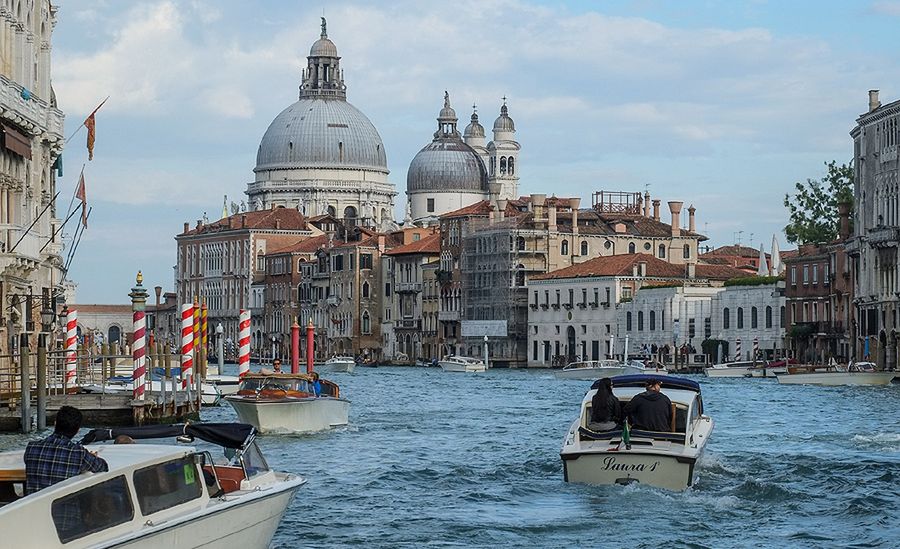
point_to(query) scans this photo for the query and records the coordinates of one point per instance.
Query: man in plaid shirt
(57, 457)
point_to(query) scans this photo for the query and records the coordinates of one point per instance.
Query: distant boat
(859, 373)
(344, 364)
(209, 394)
(596, 369)
(462, 364)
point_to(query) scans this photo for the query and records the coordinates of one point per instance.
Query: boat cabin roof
(284, 375)
(640, 380)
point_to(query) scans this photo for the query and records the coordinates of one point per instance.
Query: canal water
(472, 460)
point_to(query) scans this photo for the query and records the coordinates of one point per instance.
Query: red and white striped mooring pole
(737, 350)
(139, 344)
(244, 342)
(71, 346)
(187, 343)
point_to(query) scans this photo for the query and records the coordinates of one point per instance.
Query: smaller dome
(474, 129)
(323, 47)
(504, 123)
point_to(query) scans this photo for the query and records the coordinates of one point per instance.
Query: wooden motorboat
(859, 373)
(335, 364)
(596, 369)
(462, 364)
(287, 403)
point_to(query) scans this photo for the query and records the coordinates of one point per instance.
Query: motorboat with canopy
(596, 369)
(154, 495)
(855, 373)
(665, 459)
(344, 364)
(457, 363)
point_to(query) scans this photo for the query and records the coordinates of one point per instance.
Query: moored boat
(209, 393)
(747, 368)
(859, 373)
(154, 495)
(656, 458)
(596, 369)
(286, 403)
(335, 364)
(462, 364)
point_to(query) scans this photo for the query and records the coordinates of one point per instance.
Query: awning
(17, 142)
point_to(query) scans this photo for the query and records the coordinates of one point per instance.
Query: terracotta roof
(623, 265)
(431, 244)
(735, 250)
(287, 219)
(482, 208)
(305, 246)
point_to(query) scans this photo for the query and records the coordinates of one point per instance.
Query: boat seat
(229, 477)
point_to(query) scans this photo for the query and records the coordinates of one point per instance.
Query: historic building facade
(321, 154)
(32, 140)
(455, 171)
(876, 232)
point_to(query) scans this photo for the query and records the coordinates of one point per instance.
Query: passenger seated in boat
(650, 410)
(57, 457)
(315, 385)
(606, 410)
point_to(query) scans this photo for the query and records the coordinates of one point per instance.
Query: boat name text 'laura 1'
(610, 464)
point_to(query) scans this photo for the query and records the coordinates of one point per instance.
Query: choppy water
(440, 459)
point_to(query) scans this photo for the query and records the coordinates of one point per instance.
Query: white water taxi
(338, 364)
(462, 364)
(747, 368)
(596, 369)
(154, 495)
(286, 403)
(209, 393)
(661, 459)
(859, 373)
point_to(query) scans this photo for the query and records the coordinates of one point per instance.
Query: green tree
(813, 208)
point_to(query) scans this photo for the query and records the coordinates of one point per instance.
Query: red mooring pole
(310, 336)
(295, 348)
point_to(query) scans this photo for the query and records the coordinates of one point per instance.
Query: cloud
(887, 7)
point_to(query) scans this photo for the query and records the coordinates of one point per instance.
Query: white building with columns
(32, 140)
(322, 155)
(455, 171)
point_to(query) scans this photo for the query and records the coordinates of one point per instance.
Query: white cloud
(887, 7)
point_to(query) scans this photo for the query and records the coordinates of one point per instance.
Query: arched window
(349, 212)
(584, 247)
(640, 321)
(511, 166)
(740, 318)
(114, 334)
(628, 321)
(768, 316)
(331, 211)
(754, 322)
(502, 165)
(687, 251)
(493, 164)
(520, 243)
(652, 320)
(631, 247)
(662, 251)
(564, 247)
(726, 318)
(365, 289)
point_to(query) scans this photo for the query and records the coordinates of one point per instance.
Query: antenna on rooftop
(737, 237)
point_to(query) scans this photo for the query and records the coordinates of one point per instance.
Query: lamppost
(47, 319)
(486, 351)
(273, 348)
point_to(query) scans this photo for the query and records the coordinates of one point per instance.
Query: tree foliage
(813, 208)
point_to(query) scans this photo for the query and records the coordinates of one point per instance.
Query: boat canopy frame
(228, 435)
(640, 380)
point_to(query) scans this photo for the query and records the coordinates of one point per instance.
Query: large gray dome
(446, 165)
(321, 133)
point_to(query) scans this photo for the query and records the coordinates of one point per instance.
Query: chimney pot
(647, 204)
(574, 204)
(199, 223)
(551, 217)
(691, 223)
(675, 208)
(243, 220)
(277, 224)
(874, 103)
(844, 217)
(187, 226)
(656, 203)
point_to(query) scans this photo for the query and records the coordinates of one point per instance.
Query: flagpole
(79, 228)
(80, 176)
(78, 129)
(75, 246)
(36, 219)
(58, 229)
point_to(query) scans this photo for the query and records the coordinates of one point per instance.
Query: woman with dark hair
(606, 410)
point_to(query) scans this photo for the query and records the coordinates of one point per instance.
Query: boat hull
(209, 395)
(246, 525)
(590, 374)
(290, 415)
(337, 367)
(838, 378)
(454, 367)
(227, 385)
(627, 467)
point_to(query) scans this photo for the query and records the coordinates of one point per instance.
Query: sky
(720, 104)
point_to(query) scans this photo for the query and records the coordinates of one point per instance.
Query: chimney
(574, 204)
(277, 224)
(656, 203)
(692, 226)
(273, 206)
(538, 201)
(187, 226)
(381, 245)
(874, 103)
(501, 207)
(199, 223)
(844, 217)
(243, 220)
(551, 217)
(692, 270)
(646, 203)
(675, 208)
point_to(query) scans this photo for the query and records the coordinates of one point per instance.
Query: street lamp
(485, 351)
(220, 347)
(273, 348)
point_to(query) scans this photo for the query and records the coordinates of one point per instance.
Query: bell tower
(503, 158)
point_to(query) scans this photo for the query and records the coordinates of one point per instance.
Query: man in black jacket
(650, 410)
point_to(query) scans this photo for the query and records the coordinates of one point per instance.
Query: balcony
(568, 306)
(409, 287)
(555, 306)
(884, 237)
(582, 305)
(448, 316)
(534, 306)
(408, 323)
(332, 301)
(545, 306)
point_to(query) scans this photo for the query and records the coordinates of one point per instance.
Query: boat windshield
(253, 462)
(164, 485)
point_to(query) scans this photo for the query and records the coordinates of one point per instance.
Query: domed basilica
(322, 155)
(455, 171)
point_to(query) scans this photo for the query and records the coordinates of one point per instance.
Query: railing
(332, 301)
(409, 323)
(409, 287)
(35, 110)
(884, 236)
(448, 316)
